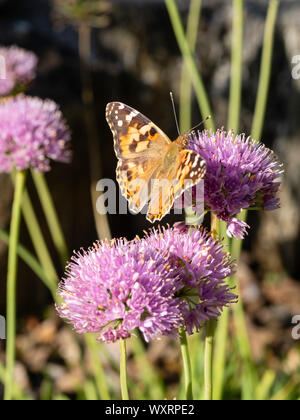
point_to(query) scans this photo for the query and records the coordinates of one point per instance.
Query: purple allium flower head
(240, 174)
(116, 287)
(202, 267)
(19, 69)
(32, 131)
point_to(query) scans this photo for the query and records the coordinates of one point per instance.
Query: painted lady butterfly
(152, 169)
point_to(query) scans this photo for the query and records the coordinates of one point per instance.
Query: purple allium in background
(202, 267)
(20, 69)
(114, 288)
(32, 131)
(240, 174)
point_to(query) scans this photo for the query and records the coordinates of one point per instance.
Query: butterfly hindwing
(172, 181)
(134, 178)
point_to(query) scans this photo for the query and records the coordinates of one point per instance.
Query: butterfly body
(151, 168)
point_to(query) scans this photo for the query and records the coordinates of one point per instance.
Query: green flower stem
(148, 375)
(265, 70)
(249, 376)
(210, 331)
(186, 366)
(20, 179)
(219, 363)
(93, 347)
(236, 66)
(38, 241)
(208, 361)
(31, 261)
(215, 226)
(16, 391)
(257, 127)
(185, 106)
(123, 370)
(190, 62)
(221, 334)
(90, 391)
(51, 216)
(233, 124)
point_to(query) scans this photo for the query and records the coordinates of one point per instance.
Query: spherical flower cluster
(202, 267)
(172, 279)
(117, 287)
(18, 69)
(240, 174)
(32, 131)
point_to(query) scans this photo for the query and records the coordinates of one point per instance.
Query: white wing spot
(195, 162)
(120, 123)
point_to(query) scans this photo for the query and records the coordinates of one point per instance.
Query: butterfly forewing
(134, 134)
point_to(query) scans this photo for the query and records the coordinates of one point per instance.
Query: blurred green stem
(31, 261)
(51, 216)
(123, 370)
(210, 331)
(38, 241)
(186, 366)
(249, 375)
(257, 127)
(20, 179)
(185, 125)
(233, 124)
(265, 71)
(221, 341)
(236, 66)
(208, 360)
(190, 62)
(148, 374)
(17, 392)
(99, 374)
(221, 334)
(185, 106)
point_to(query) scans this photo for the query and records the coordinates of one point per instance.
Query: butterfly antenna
(174, 111)
(198, 125)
